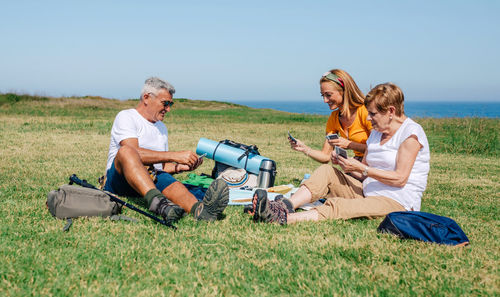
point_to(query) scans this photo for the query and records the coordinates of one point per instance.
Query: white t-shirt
(130, 123)
(384, 157)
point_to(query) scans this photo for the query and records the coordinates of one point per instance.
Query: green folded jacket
(197, 180)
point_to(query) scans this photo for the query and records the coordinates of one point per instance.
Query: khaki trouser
(344, 195)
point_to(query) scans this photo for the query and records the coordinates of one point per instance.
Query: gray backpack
(70, 202)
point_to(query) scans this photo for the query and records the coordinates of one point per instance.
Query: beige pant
(344, 195)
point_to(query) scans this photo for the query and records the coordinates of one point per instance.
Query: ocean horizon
(422, 109)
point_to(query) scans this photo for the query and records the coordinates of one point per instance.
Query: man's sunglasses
(167, 103)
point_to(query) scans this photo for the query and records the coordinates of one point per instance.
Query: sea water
(441, 109)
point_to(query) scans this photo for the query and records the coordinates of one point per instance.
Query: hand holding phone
(292, 139)
(341, 152)
(332, 136)
(199, 162)
(200, 159)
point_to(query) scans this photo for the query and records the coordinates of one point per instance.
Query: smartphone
(332, 136)
(341, 152)
(291, 137)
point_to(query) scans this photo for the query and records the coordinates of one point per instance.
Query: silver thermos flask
(267, 172)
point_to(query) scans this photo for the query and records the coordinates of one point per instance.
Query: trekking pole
(74, 179)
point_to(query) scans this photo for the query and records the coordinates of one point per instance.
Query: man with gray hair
(140, 139)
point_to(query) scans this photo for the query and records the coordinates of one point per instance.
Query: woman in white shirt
(391, 177)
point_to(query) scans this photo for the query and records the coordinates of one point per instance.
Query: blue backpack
(423, 226)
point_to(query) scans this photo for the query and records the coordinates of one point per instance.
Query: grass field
(44, 140)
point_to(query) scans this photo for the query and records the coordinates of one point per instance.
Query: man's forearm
(149, 157)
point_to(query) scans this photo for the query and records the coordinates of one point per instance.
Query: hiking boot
(286, 203)
(213, 204)
(268, 211)
(169, 211)
(248, 208)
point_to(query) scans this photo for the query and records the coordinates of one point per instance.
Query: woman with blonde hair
(391, 177)
(347, 120)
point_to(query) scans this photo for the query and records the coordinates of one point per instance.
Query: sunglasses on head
(330, 76)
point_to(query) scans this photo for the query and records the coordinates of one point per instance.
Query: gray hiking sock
(152, 194)
(194, 207)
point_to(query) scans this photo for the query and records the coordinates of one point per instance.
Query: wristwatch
(365, 172)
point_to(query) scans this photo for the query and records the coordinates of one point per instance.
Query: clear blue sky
(250, 50)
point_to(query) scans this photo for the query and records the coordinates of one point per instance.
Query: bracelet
(365, 172)
(176, 169)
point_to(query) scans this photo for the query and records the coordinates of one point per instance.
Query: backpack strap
(245, 154)
(66, 227)
(248, 149)
(216, 147)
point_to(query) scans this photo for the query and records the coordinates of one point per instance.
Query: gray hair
(154, 84)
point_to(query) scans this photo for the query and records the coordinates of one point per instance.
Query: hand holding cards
(332, 136)
(341, 152)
